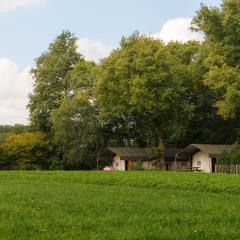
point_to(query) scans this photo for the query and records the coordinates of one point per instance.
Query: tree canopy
(27, 151)
(75, 123)
(146, 93)
(148, 79)
(221, 28)
(49, 74)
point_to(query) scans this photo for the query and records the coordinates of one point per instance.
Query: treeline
(146, 93)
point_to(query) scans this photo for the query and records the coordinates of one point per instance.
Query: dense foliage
(49, 75)
(221, 28)
(231, 157)
(27, 150)
(76, 126)
(143, 83)
(146, 93)
(5, 130)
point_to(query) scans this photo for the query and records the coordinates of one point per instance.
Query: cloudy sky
(28, 26)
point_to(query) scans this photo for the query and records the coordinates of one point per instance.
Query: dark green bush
(27, 151)
(231, 157)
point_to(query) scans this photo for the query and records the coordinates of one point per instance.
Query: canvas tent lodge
(195, 156)
(203, 156)
(124, 159)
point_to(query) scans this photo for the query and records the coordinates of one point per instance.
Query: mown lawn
(119, 205)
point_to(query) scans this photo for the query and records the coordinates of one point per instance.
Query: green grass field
(119, 205)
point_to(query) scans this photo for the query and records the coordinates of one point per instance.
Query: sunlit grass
(114, 205)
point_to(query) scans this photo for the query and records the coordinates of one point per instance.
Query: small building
(124, 159)
(203, 156)
(183, 163)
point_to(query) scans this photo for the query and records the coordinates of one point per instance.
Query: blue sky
(28, 26)
(27, 32)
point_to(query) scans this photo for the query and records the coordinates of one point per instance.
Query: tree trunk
(162, 147)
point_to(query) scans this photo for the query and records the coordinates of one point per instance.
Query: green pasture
(119, 205)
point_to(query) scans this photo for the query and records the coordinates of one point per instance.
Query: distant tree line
(146, 93)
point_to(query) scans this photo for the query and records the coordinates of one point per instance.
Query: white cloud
(9, 5)
(15, 85)
(173, 30)
(177, 30)
(93, 50)
(14, 90)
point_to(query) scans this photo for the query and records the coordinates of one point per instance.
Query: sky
(29, 26)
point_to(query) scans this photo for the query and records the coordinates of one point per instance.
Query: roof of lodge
(137, 154)
(126, 153)
(212, 149)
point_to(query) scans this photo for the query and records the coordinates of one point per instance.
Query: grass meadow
(119, 205)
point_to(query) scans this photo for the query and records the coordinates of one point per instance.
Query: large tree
(49, 76)
(75, 123)
(221, 27)
(206, 125)
(152, 81)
